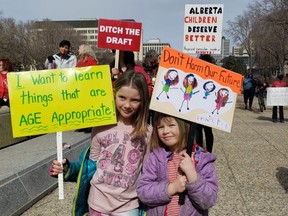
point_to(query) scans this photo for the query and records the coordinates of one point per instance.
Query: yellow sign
(61, 99)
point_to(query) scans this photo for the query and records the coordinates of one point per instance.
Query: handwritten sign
(195, 90)
(119, 35)
(203, 28)
(277, 96)
(59, 100)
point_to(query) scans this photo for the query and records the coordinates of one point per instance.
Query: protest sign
(203, 28)
(119, 35)
(195, 90)
(61, 99)
(277, 96)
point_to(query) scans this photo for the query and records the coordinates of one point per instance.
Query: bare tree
(45, 37)
(271, 33)
(262, 31)
(9, 39)
(240, 30)
(28, 44)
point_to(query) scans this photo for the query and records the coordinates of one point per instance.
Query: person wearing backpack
(249, 85)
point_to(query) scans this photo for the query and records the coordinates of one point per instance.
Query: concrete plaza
(252, 167)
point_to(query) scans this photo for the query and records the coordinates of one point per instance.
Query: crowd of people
(254, 87)
(140, 164)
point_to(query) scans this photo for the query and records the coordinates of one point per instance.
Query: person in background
(209, 137)
(169, 171)
(87, 56)
(5, 68)
(127, 62)
(151, 63)
(279, 82)
(118, 150)
(263, 88)
(63, 59)
(249, 86)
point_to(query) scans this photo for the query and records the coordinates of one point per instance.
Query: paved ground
(252, 166)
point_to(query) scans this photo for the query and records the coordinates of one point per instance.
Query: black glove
(50, 58)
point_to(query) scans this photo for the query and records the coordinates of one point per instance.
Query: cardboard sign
(119, 35)
(195, 90)
(61, 99)
(203, 28)
(277, 96)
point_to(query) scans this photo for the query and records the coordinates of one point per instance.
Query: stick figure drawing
(171, 79)
(190, 83)
(221, 100)
(208, 87)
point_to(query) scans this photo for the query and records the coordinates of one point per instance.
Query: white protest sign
(277, 96)
(203, 28)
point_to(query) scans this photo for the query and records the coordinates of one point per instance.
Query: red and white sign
(203, 28)
(119, 35)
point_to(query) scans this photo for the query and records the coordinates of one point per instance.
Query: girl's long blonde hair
(85, 50)
(137, 81)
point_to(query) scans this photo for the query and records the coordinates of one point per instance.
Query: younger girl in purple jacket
(169, 171)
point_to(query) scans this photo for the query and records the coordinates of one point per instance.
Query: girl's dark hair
(151, 61)
(7, 64)
(137, 81)
(129, 59)
(183, 125)
(280, 76)
(207, 58)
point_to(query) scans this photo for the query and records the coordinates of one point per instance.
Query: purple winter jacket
(153, 185)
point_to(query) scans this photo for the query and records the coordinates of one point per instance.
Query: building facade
(225, 50)
(88, 30)
(154, 44)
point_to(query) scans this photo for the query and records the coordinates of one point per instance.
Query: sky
(163, 19)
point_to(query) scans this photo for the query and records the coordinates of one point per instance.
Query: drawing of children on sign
(208, 87)
(171, 79)
(190, 83)
(221, 100)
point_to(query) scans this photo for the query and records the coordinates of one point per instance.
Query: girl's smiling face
(169, 133)
(190, 79)
(209, 86)
(128, 101)
(224, 93)
(172, 75)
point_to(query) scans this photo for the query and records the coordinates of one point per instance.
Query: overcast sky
(161, 19)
